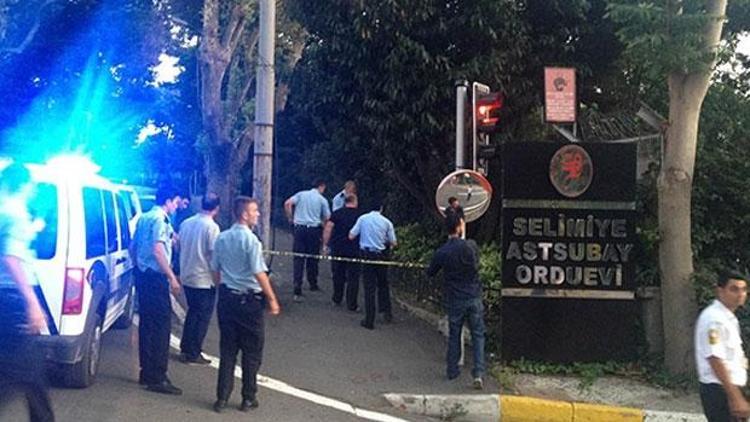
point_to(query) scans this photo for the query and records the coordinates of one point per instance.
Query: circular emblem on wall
(571, 171)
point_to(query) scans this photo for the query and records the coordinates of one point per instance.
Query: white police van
(83, 268)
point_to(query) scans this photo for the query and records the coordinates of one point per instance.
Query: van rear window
(96, 239)
(43, 209)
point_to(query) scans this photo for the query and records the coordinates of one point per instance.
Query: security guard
(243, 292)
(308, 210)
(151, 250)
(719, 356)
(376, 236)
(338, 202)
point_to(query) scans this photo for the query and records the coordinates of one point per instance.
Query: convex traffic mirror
(472, 191)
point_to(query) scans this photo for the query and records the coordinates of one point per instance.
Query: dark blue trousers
(345, 276)
(241, 329)
(306, 240)
(154, 327)
(22, 366)
(200, 308)
(375, 279)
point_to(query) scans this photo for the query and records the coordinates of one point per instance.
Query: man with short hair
(462, 296)
(244, 290)
(197, 236)
(308, 211)
(151, 251)
(338, 202)
(21, 314)
(336, 236)
(719, 356)
(376, 237)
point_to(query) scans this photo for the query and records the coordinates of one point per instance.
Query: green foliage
(668, 36)
(375, 90)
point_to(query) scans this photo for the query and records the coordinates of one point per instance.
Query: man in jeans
(462, 296)
(197, 236)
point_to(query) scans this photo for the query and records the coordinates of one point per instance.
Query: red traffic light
(488, 111)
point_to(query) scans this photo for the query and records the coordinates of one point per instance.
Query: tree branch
(31, 34)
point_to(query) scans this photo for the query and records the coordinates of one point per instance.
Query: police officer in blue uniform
(151, 250)
(376, 237)
(308, 210)
(244, 291)
(20, 311)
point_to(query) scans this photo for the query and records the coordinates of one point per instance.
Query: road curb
(507, 408)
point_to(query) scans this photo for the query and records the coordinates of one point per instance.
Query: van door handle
(122, 260)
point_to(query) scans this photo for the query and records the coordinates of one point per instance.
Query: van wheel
(82, 374)
(126, 319)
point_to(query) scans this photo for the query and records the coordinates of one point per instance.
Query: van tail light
(73, 295)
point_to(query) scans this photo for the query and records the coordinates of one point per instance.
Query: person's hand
(36, 320)
(739, 408)
(174, 285)
(273, 307)
(326, 250)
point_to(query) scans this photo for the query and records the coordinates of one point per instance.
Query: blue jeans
(458, 311)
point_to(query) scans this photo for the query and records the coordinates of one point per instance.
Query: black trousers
(155, 310)
(345, 275)
(375, 277)
(22, 366)
(306, 240)
(200, 308)
(715, 404)
(241, 328)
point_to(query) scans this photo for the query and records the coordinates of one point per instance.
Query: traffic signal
(488, 111)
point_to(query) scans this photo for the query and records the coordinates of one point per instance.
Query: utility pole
(264, 116)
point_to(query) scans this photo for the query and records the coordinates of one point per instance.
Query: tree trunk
(686, 94)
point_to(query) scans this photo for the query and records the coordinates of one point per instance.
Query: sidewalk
(397, 368)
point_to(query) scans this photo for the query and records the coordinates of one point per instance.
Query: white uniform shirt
(197, 236)
(717, 334)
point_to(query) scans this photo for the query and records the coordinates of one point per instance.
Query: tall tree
(227, 58)
(679, 40)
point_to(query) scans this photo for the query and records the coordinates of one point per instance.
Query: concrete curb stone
(507, 408)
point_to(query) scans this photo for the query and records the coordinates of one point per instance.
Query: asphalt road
(312, 347)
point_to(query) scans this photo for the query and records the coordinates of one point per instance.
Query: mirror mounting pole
(462, 89)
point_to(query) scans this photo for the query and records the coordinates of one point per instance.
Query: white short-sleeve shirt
(717, 334)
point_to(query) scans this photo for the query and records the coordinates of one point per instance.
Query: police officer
(308, 210)
(719, 356)
(244, 290)
(21, 314)
(350, 188)
(151, 250)
(376, 236)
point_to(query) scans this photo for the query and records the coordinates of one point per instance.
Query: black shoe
(248, 404)
(354, 309)
(200, 360)
(220, 405)
(364, 324)
(164, 387)
(388, 317)
(315, 288)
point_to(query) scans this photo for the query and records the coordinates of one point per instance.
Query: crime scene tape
(346, 259)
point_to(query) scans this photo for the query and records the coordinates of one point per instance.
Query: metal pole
(476, 88)
(462, 88)
(264, 114)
